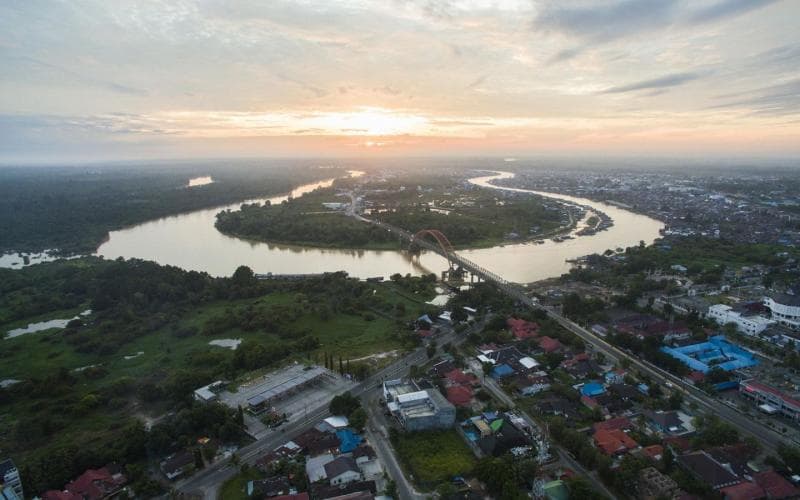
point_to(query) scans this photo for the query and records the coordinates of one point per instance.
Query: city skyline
(97, 81)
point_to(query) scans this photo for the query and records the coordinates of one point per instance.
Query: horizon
(87, 82)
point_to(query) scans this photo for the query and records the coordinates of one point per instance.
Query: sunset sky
(95, 80)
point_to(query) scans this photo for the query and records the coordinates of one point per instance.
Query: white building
(10, 477)
(342, 470)
(749, 325)
(418, 410)
(785, 309)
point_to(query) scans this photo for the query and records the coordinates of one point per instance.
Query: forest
(483, 221)
(84, 390)
(72, 209)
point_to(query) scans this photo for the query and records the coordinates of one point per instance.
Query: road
(491, 385)
(207, 481)
(768, 438)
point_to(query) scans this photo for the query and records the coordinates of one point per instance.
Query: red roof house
(619, 423)
(459, 395)
(775, 485)
(522, 329)
(458, 377)
(549, 344)
(743, 491)
(612, 442)
(653, 452)
(91, 485)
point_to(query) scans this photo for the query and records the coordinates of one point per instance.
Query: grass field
(235, 488)
(434, 456)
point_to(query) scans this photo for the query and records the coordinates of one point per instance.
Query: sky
(103, 80)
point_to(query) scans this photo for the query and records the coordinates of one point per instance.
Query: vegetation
(80, 385)
(485, 221)
(72, 209)
(434, 457)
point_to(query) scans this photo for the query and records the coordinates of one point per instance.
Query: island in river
(471, 218)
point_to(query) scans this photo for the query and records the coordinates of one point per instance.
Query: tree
(243, 276)
(358, 419)
(446, 491)
(240, 415)
(344, 404)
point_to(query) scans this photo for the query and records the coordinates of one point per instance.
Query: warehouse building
(418, 410)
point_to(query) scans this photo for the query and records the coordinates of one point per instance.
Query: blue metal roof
(592, 389)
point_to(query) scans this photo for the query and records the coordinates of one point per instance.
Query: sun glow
(370, 121)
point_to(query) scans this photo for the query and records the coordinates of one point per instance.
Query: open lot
(435, 456)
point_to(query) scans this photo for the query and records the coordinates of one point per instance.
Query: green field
(81, 384)
(434, 456)
(235, 488)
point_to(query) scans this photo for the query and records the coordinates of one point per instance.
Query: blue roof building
(716, 352)
(348, 440)
(501, 371)
(592, 389)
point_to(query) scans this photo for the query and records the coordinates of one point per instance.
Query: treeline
(285, 224)
(72, 209)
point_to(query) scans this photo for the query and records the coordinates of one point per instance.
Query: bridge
(768, 437)
(442, 246)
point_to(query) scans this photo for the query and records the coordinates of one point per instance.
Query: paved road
(490, 384)
(768, 438)
(208, 480)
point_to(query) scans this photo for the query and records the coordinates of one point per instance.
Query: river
(191, 241)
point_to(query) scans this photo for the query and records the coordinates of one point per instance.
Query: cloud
(726, 9)
(774, 100)
(478, 82)
(606, 21)
(662, 82)
(80, 78)
(603, 22)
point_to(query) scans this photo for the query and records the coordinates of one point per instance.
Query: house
(315, 467)
(775, 485)
(592, 389)
(654, 452)
(743, 491)
(342, 470)
(614, 442)
(333, 424)
(505, 437)
(323, 490)
(348, 440)
(501, 371)
(363, 453)
(316, 442)
(178, 464)
(618, 423)
(669, 423)
(270, 487)
(458, 377)
(614, 376)
(459, 395)
(548, 344)
(522, 329)
(704, 468)
(94, 484)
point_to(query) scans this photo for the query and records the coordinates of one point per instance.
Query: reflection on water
(200, 181)
(192, 242)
